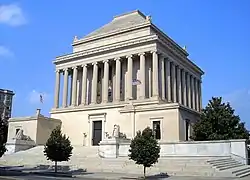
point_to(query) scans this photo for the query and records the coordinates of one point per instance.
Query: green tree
(3, 135)
(144, 149)
(58, 147)
(218, 122)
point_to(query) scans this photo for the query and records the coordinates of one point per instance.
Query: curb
(51, 174)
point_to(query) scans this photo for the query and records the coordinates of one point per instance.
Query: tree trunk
(55, 166)
(144, 172)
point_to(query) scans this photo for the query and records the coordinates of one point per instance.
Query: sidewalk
(118, 176)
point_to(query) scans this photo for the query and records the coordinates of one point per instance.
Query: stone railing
(237, 149)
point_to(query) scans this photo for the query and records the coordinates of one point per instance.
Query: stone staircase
(230, 165)
(88, 158)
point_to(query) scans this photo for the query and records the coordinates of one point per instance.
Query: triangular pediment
(120, 22)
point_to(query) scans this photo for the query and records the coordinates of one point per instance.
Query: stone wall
(237, 149)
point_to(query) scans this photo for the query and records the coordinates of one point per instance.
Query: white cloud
(12, 14)
(5, 52)
(34, 97)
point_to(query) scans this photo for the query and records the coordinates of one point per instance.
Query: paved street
(110, 176)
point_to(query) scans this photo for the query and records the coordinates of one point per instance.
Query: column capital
(154, 51)
(94, 63)
(57, 70)
(105, 61)
(117, 59)
(129, 56)
(74, 67)
(84, 65)
(141, 54)
(65, 69)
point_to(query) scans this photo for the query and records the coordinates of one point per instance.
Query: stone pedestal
(109, 148)
(16, 145)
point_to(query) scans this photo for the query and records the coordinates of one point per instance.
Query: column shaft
(189, 90)
(94, 83)
(65, 88)
(197, 95)
(163, 95)
(193, 92)
(84, 84)
(184, 88)
(149, 82)
(57, 89)
(117, 79)
(130, 78)
(174, 98)
(200, 96)
(142, 77)
(179, 88)
(168, 80)
(106, 82)
(155, 75)
(74, 89)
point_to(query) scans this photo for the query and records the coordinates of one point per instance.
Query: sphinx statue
(19, 135)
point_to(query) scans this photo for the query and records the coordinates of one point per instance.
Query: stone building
(6, 103)
(127, 73)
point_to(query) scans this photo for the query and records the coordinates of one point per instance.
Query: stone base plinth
(16, 145)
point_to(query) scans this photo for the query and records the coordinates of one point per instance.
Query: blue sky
(33, 33)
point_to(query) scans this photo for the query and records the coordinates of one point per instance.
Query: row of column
(182, 86)
(178, 86)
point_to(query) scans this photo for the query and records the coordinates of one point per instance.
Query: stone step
(219, 160)
(244, 173)
(222, 163)
(230, 166)
(226, 164)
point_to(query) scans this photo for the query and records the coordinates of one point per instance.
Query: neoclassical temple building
(127, 73)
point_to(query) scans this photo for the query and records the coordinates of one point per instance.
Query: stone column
(65, 87)
(105, 82)
(74, 89)
(174, 98)
(162, 60)
(57, 89)
(184, 88)
(149, 82)
(168, 80)
(84, 84)
(94, 83)
(193, 92)
(189, 90)
(200, 95)
(155, 74)
(142, 77)
(117, 79)
(129, 77)
(197, 95)
(179, 87)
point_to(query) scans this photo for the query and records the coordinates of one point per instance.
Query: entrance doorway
(97, 133)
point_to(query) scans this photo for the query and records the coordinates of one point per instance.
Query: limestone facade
(127, 73)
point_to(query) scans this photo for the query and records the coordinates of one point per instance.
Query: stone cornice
(105, 48)
(96, 37)
(178, 49)
(174, 51)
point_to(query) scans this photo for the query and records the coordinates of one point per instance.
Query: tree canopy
(144, 149)
(58, 147)
(218, 122)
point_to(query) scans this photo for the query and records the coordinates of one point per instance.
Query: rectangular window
(157, 129)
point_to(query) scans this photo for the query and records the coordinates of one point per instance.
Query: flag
(41, 98)
(136, 82)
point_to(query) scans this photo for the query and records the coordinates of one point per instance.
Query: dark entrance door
(97, 132)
